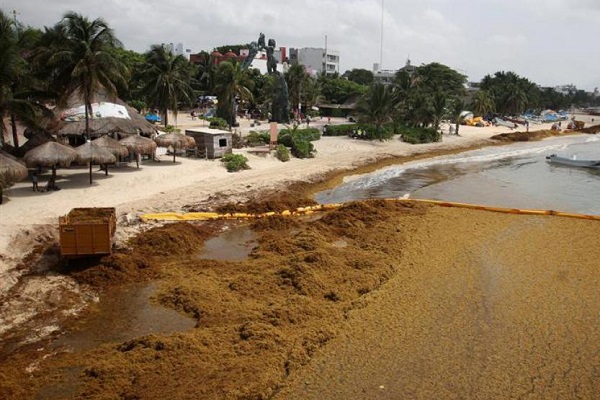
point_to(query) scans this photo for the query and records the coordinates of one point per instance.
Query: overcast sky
(550, 42)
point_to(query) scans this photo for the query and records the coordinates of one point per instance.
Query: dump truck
(87, 231)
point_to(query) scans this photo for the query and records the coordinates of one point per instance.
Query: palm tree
(456, 114)
(231, 83)
(483, 103)
(84, 62)
(311, 93)
(167, 80)
(377, 106)
(438, 109)
(15, 79)
(516, 100)
(296, 77)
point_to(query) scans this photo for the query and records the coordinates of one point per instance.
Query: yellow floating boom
(207, 216)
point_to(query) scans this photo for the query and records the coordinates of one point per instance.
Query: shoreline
(28, 221)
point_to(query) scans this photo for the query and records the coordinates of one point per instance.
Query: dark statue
(280, 102)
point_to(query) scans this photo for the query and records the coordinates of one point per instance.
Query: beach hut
(175, 140)
(91, 153)
(214, 143)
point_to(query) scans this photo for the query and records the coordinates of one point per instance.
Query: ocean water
(515, 175)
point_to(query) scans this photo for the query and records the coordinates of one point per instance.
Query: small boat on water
(573, 162)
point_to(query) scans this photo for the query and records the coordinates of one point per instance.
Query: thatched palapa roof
(50, 154)
(11, 170)
(112, 145)
(130, 122)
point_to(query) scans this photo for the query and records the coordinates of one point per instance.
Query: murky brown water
(124, 314)
(232, 245)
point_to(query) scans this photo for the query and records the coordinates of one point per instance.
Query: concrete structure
(386, 76)
(318, 60)
(211, 143)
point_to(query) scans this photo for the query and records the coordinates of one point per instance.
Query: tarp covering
(99, 110)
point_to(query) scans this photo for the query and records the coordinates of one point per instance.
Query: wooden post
(273, 130)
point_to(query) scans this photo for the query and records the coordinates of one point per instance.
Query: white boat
(573, 162)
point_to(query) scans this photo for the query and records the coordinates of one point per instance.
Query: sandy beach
(26, 217)
(327, 298)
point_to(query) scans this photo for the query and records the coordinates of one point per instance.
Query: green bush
(302, 148)
(139, 105)
(170, 129)
(257, 138)
(217, 123)
(339, 130)
(299, 140)
(374, 133)
(282, 153)
(235, 162)
(310, 134)
(416, 135)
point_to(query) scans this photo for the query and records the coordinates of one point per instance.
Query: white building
(177, 49)
(318, 60)
(260, 60)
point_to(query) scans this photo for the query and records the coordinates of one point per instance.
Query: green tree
(167, 80)
(483, 103)
(512, 93)
(17, 89)
(133, 63)
(439, 110)
(337, 90)
(377, 106)
(435, 77)
(296, 77)
(231, 83)
(311, 93)
(359, 75)
(84, 62)
(456, 114)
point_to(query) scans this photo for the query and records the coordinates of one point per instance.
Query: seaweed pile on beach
(257, 320)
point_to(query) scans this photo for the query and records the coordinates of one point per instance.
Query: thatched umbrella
(112, 145)
(175, 140)
(50, 154)
(91, 153)
(11, 170)
(139, 144)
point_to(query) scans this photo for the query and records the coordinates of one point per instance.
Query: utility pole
(325, 58)
(15, 13)
(381, 40)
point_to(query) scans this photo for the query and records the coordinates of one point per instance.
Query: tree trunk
(88, 107)
(13, 122)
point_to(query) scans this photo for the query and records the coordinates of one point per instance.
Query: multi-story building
(317, 60)
(386, 76)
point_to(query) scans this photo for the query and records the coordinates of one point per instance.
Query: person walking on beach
(34, 182)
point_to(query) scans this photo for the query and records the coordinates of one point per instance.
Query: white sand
(29, 217)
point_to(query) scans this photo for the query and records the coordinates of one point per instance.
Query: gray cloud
(551, 43)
